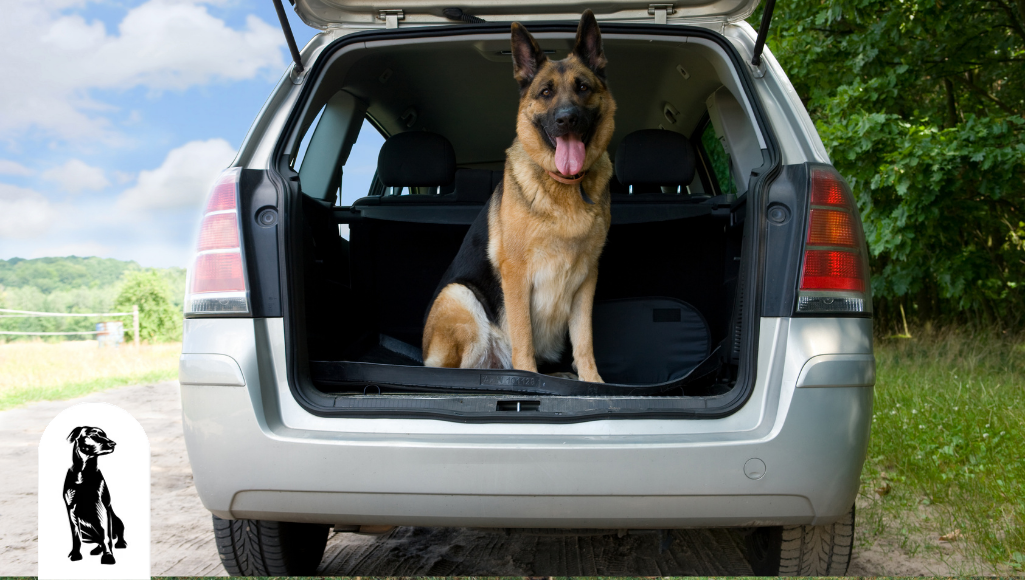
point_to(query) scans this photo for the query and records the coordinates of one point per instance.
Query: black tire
(802, 550)
(263, 548)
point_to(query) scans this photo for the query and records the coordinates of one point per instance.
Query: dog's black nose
(567, 119)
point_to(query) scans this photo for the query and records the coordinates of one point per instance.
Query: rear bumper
(256, 454)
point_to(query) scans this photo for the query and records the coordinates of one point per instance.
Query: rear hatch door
(324, 14)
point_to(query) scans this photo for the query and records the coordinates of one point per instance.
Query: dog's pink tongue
(569, 154)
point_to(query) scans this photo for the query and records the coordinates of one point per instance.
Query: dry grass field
(48, 371)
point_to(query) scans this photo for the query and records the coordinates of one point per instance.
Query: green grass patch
(946, 447)
(20, 396)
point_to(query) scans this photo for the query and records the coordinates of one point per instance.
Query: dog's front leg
(516, 290)
(76, 535)
(580, 333)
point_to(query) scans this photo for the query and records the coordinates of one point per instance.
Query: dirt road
(182, 538)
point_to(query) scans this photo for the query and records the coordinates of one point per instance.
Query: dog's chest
(555, 278)
(84, 488)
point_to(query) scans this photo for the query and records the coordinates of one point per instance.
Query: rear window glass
(718, 159)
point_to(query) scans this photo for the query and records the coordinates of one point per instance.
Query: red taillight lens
(218, 232)
(834, 276)
(828, 188)
(223, 196)
(830, 227)
(217, 279)
(832, 270)
(218, 273)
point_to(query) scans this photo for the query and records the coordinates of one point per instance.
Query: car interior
(683, 150)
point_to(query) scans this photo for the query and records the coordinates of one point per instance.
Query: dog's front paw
(96, 550)
(75, 555)
(591, 377)
(121, 544)
(107, 559)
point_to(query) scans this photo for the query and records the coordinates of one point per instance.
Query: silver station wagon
(732, 317)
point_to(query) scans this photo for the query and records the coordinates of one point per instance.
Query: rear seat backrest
(475, 185)
(397, 263)
(420, 159)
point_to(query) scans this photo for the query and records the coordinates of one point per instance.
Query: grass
(946, 447)
(50, 371)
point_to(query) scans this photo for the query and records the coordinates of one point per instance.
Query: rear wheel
(802, 550)
(264, 548)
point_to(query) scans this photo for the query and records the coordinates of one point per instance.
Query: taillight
(216, 282)
(834, 274)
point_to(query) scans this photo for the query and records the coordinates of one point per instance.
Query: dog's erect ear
(528, 58)
(76, 433)
(588, 46)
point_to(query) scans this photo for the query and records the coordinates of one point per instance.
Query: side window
(718, 159)
(360, 169)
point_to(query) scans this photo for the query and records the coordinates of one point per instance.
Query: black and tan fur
(527, 269)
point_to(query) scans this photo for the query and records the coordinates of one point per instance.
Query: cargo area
(668, 315)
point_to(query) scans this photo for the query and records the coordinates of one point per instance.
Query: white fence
(8, 313)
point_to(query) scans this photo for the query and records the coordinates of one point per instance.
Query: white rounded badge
(94, 504)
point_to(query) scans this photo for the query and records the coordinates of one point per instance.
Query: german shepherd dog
(527, 269)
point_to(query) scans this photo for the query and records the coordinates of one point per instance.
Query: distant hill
(70, 284)
(51, 274)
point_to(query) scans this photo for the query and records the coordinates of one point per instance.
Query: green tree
(159, 321)
(920, 104)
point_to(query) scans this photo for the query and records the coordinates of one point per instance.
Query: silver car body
(792, 454)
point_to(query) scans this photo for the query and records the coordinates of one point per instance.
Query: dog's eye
(546, 93)
(583, 87)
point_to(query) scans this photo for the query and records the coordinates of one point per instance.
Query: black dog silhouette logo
(87, 497)
(102, 496)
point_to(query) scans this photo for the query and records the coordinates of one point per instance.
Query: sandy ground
(183, 545)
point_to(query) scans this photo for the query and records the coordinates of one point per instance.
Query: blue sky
(116, 115)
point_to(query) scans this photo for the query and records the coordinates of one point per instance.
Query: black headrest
(416, 159)
(655, 157)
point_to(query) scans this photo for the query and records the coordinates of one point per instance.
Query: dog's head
(91, 441)
(565, 115)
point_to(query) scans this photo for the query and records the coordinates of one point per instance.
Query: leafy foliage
(159, 321)
(719, 160)
(920, 104)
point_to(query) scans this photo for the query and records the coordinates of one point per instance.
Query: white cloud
(122, 177)
(183, 179)
(160, 45)
(75, 176)
(8, 167)
(24, 213)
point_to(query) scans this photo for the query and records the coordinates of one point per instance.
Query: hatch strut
(292, 48)
(763, 31)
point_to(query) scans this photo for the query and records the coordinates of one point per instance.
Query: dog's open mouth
(570, 152)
